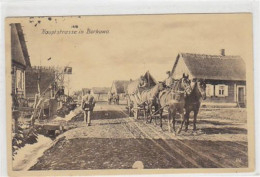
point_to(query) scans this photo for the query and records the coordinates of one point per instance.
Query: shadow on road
(212, 122)
(81, 154)
(101, 115)
(226, 130)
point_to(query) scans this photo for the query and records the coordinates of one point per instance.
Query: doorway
(241, 96)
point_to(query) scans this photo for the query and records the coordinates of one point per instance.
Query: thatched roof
(119, 86)
(215, 67)
(19, 51)
(100, 90)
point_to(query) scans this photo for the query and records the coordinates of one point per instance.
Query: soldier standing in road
(88, 104)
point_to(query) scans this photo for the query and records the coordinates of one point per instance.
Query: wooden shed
(225, 76)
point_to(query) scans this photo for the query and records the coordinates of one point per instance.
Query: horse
(193, 101)
(174, 100)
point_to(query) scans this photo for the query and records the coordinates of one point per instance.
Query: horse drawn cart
(158, 98)
(138, 97)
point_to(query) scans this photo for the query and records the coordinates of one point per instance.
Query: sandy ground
(115, 141)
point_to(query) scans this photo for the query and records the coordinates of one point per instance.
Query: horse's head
(185, 84)
(202, 88)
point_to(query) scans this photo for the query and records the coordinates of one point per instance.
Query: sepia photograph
(130, 94)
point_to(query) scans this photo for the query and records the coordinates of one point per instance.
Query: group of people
(88, 101)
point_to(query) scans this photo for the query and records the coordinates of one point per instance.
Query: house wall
(229, 97)
(18, 81)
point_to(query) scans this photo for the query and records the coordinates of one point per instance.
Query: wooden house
(20, 60)
(225, 76)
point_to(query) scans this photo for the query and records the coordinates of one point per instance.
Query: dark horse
(174, 100)
(193, 101)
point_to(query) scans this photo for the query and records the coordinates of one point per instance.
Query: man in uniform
(88, 104)
(169, 80)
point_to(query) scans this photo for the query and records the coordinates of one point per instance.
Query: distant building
(225, 76)
(100, 93)
(119, 86)
(20, 60)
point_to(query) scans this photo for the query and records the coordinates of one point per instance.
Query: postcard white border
(115, 7)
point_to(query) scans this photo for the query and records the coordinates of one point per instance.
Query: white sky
(134, 43)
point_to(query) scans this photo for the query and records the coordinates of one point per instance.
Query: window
(19, 80)
(221, 90)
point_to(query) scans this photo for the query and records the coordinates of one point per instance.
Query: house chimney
(222, 52)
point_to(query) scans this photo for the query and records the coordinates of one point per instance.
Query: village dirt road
(115, 141)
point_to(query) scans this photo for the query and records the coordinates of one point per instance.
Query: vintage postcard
(130, 94)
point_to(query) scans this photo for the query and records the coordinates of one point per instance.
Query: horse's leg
(195, 120)
(187, 117)
(150, 112)
(156, 109)
(160, 113)
(169, 120)
(173, 121)
(145, 114)
(182, 120)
